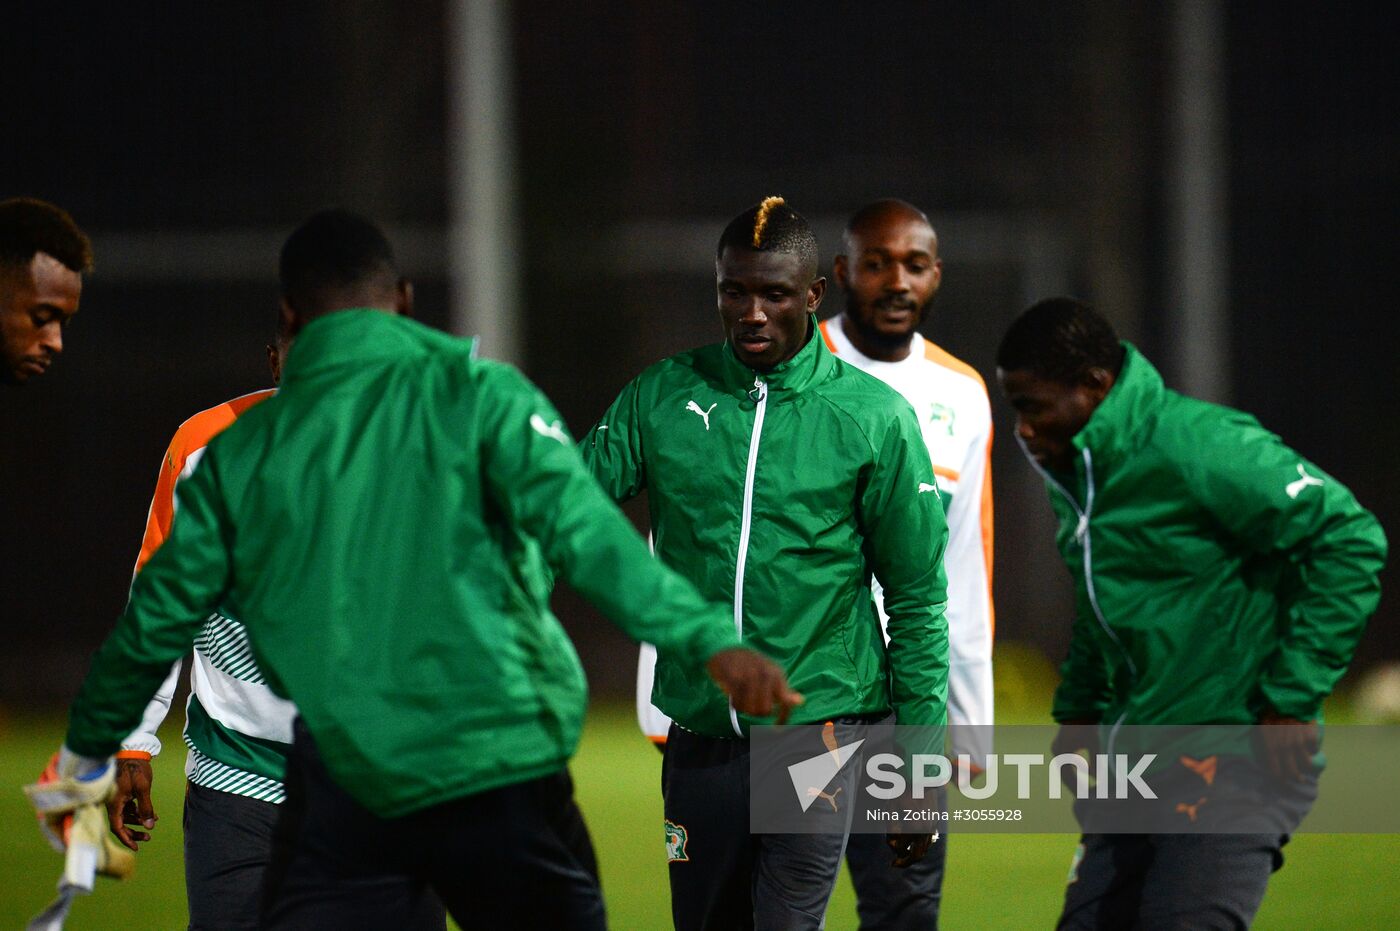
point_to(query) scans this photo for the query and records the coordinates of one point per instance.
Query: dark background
(190, 139)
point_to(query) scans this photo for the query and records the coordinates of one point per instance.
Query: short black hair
(29, 226)
(771, 226)
(878, 210)
(332, 253)
(1060, 339)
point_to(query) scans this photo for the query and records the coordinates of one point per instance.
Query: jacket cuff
(716, 638)
(1292, 702)
(145, 743)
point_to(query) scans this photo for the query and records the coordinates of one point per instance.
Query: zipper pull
(1082, 531)
(757, 392)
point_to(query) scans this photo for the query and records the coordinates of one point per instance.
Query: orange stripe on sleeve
(950, 474)
(162, 510)
(194, 434)
(940, 356)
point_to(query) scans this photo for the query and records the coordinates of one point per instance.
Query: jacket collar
(345, 337)
(812, 364)
(1123, 421)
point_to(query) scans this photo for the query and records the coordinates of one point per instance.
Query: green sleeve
(170, 599)
(906, 533)
(534, 472)
(1084, 689)
(612, 450)
(1274, 501)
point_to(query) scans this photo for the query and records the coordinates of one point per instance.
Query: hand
(973, 771)
(1289, 745)
(754, 683)
(1073, 736)
(908, 848)
(130, 803)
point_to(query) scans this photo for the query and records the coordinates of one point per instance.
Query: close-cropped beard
(883, 340)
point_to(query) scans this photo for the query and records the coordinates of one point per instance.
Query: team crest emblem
(676, 838)
(943, 416)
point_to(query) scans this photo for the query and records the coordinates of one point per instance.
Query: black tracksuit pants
(514, 857)
(723, 877)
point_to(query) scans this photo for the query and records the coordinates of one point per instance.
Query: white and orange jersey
(955, 416)
(181, 456)
(228, 694)
(951, 402)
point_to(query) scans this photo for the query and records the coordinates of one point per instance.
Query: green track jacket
(381, 527)
(780, 494)
(1217, 571)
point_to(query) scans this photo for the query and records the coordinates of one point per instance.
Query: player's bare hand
(754, 683)
(130, 802)
(1289, 745)
(907, 848)
(1079, 735)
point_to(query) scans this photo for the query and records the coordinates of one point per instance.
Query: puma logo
(704, 415)
(1304, 480)
(1203, 768)
(1190, 810)
(925, 486)
(814, 792)
(552, 430)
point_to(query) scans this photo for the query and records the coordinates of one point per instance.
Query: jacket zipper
(746, 524)
(1086, 544)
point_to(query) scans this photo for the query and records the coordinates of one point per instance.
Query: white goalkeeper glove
(70, 798)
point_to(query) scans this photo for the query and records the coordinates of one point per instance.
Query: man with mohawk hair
(779, 480)
(385, 521)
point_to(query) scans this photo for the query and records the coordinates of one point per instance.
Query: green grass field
(994, 881)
